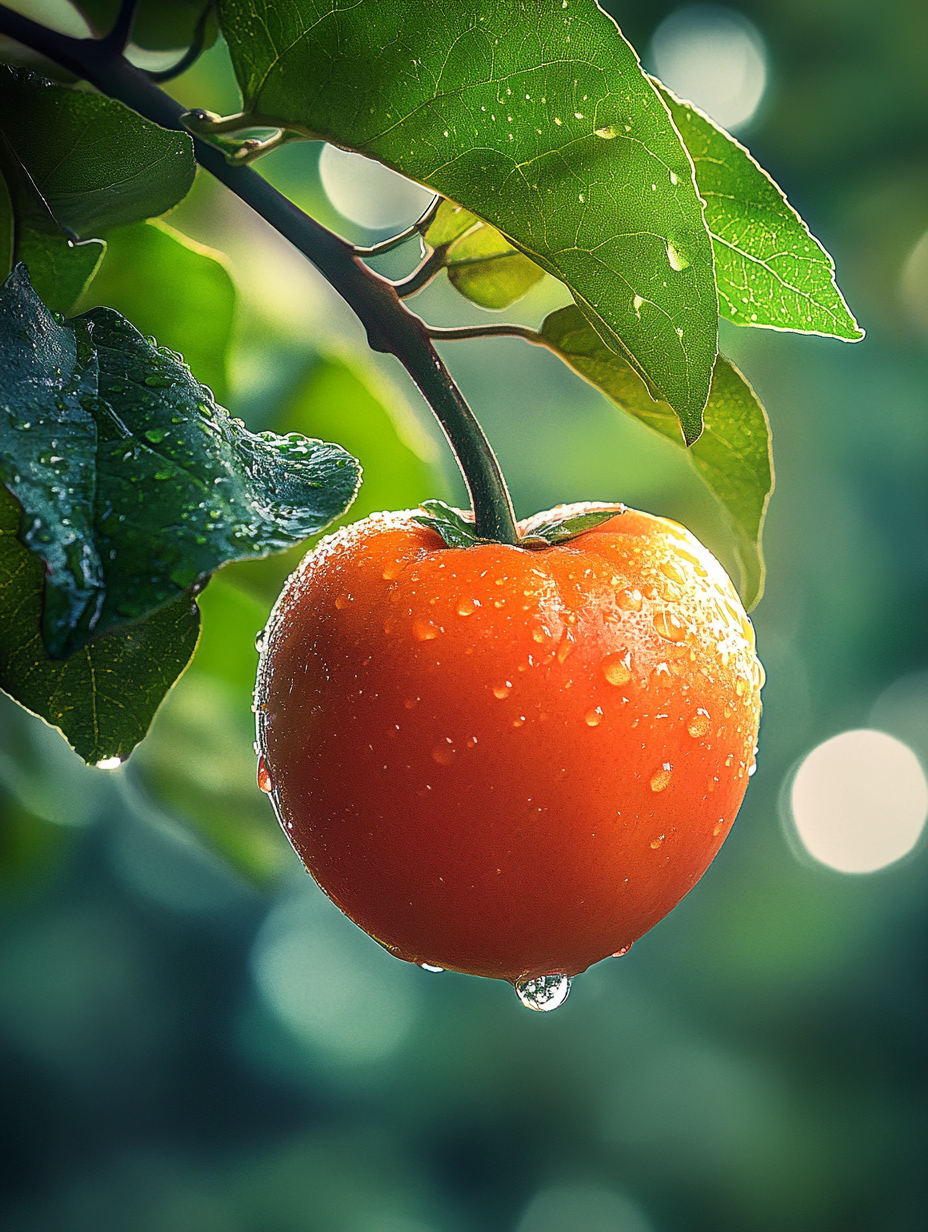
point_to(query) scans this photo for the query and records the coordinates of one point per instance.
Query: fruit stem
(391, 327)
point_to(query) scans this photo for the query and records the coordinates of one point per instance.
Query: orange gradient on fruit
(504, 761)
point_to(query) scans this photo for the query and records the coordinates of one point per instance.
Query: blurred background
(195, 1040)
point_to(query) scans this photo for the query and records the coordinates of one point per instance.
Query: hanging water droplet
(260, 640)
(545, 992)
(624, 950)
(430, 967)
(264, 776)
(109, 763)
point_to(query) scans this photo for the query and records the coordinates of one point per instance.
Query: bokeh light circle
(369, 194)
(713, 57)
(859, 801)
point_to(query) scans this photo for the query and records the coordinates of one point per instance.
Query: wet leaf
(453, 525)
(172, 289)
(534, 116)
(104, 696)
(733, 454)
(562, 530)
(769, 268)
(135, 484)
(97, 163)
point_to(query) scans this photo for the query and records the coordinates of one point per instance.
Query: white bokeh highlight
(713, 57)
(369, 194)
(859, 801)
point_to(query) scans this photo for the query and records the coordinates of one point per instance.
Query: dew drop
(629, 600)
(444, 752)
(678, 260)
(699, 724)
(430, 967)
(108, 763)
(607, 133)
(741, 686)
(624, 950)
(264, 776)
(593, 718)
(392, 571)
(661, 778)
(717, 828)
(502, 690)
(669, 626)
(467, 607)
(342, 602)
(674, 572)
(411, 703)
(616, 668)
(424, 631)
(471, 742)
(260, 640)
(566, 648)
(545, 992)
(656, 842)
(538, 635)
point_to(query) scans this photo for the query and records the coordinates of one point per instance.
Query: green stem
(391, 328)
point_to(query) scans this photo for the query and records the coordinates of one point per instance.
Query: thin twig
(117, 38)
(459, 332)
(419, 227)
(423, 274)
(192, 53)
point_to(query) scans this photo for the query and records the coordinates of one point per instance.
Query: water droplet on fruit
(444, 752)
(699, 724)
(674, 572)
(593, 718)
(661, 778)
(545, 992)
(617, 669)
(741, 686)
(108, 763)
(717, 828)
(624, 950)
(467, 607)
(669, 626)
(259, 640)
(424, 631)
(430, 967)
(411, 703)
(656, 842)
(392, 571)
(264, 776)
(342, 602)
(538, 635)
(502, 690)
(629, 600)
(566, 648)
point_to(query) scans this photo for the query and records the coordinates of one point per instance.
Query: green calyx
(457, 528)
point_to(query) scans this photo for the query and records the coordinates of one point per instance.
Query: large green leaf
(535, 116)
(769, 268)
(173, 289)
(135, 484)
(733, 454)
(104, 696)
(97, 164)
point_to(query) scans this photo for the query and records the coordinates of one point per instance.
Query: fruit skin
(503, 761)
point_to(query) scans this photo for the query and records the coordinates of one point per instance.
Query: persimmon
(510, 761)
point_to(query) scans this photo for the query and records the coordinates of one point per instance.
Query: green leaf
(562, 530)
(103, 697)
(59, 267)
(135, 484)
(172, 289)
(160, 25)
(532, 115)
(450, 222)
(769, 268)
(733, 454)
(97, 163)
(454, 526)
(485, 268)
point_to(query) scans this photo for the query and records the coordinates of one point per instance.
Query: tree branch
(117, 39)
(390, 327)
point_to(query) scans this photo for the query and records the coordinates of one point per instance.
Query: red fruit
(504, 761)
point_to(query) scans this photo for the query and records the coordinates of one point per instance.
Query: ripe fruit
(505, 761)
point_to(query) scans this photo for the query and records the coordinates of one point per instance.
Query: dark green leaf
(533, 115)
(59, 267)
(136, 485)
(455, 527)
(769, 268)
(733, 454)
(562, 530)
(173, 289)
(103, 697)
(97, 164)
(160, 25)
